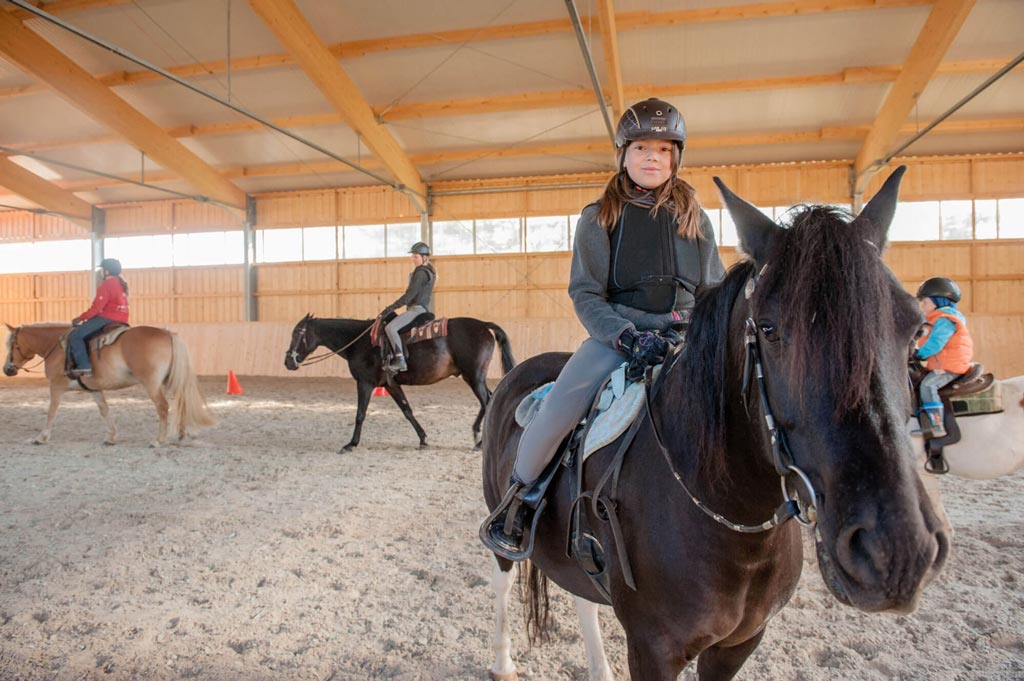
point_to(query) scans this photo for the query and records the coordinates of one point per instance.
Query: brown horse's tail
(182, 388)
(508, 362)
(534, 586)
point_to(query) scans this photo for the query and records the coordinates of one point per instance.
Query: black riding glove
(643, 349)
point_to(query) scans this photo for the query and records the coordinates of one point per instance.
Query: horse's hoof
(157, 445)
(346, 449)
(109, 443)
(423, 445)
(39, 441)
(510, 676)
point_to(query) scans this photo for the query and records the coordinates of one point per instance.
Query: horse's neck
(339, 333)
(42, 338)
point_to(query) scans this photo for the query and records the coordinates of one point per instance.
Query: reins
(320, 358)
(782, 458)
(14, 346)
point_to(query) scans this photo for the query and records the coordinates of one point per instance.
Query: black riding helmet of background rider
(111, 265)
(420, 248)
(939, 287)
(650, 119)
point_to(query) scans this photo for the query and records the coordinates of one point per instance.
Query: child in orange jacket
(945, 347)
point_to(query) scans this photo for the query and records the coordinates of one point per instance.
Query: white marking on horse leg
(55, 395)
(597, 663)
(101, 402)
(503, 668)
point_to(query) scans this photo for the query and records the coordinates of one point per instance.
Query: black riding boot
(505, 530)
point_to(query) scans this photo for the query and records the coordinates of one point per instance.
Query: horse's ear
(9, 327)
(876, 216)
(755, 229)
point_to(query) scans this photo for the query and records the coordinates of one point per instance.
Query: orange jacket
(955, 356)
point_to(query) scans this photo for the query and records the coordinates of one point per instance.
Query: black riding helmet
(939, 287)
(651, 119)
(420, 248)
(111, 265)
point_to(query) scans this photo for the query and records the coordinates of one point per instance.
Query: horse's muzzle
(10, 370)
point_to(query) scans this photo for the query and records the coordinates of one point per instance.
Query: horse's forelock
(833, 294)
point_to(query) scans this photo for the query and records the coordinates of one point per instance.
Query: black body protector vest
(648, 259)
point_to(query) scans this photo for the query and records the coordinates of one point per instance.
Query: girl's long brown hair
(678, 195)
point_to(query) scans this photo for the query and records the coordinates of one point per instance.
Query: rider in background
(945, 345)
(640, 254)
(418, 298)
(109, 305)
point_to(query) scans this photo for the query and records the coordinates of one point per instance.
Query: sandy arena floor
(257, 552)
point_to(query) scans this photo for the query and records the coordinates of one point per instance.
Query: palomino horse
(156, 358)
(466, 351)
(822, 328)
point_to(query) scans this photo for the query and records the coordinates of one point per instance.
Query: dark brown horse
(816, 313)
(466, 351)
(156, 358)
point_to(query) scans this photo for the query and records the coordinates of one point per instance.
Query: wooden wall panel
(374, 205)
(51, 228)
(16, 225)
(297, 209)
(998, 176)
(149, 217)
(192, 216)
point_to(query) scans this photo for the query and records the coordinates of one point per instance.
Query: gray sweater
(588, 280)
(420, 290)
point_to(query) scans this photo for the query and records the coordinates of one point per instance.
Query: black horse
(466, 351)
(795, 369)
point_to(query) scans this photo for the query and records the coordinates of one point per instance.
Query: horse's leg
(398, 395)
(652, 658)
(155, 391)
(597, 663)
(101, 402)
(363, 392)
(56, 392)
(478, 384)
(502, 582)
(721, 664)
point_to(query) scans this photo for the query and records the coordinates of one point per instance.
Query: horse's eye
(768, 330)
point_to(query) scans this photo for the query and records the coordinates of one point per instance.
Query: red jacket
(111, 302)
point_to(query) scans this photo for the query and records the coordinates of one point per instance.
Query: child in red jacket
(110, 305)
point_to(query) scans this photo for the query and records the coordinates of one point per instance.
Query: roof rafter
(43, 61)
(42, 192)
(63, 6)
(830, 133)
(539, 100)
(610, 43)
(626, 21)
(285, 21)
(943, 23)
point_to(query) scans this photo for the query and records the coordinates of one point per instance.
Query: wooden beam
(831, 133)
(37, 57)
(942, 25)
(286, 22)
(536, 100)
(610, 43)
(627, 21)
(41, 192)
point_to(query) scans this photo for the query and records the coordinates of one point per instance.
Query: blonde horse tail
(182, 389)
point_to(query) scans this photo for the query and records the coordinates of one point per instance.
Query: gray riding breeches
(568, 401)
(411, 313)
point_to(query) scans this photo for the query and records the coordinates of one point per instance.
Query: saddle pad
(436, 328)
(100, 340)
(617, 408)
(988, 401)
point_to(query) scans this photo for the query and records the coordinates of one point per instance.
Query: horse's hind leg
(101, 402)
(155, 391)
(597, 663)
(55, 394)
(722, 664)
(398, 395)
(502, 581)
(478, 384)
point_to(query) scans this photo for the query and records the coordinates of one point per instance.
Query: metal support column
(250, 309)
(96, 255)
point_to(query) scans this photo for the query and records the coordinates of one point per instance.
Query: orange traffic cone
(380, 391)
(234, 388)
